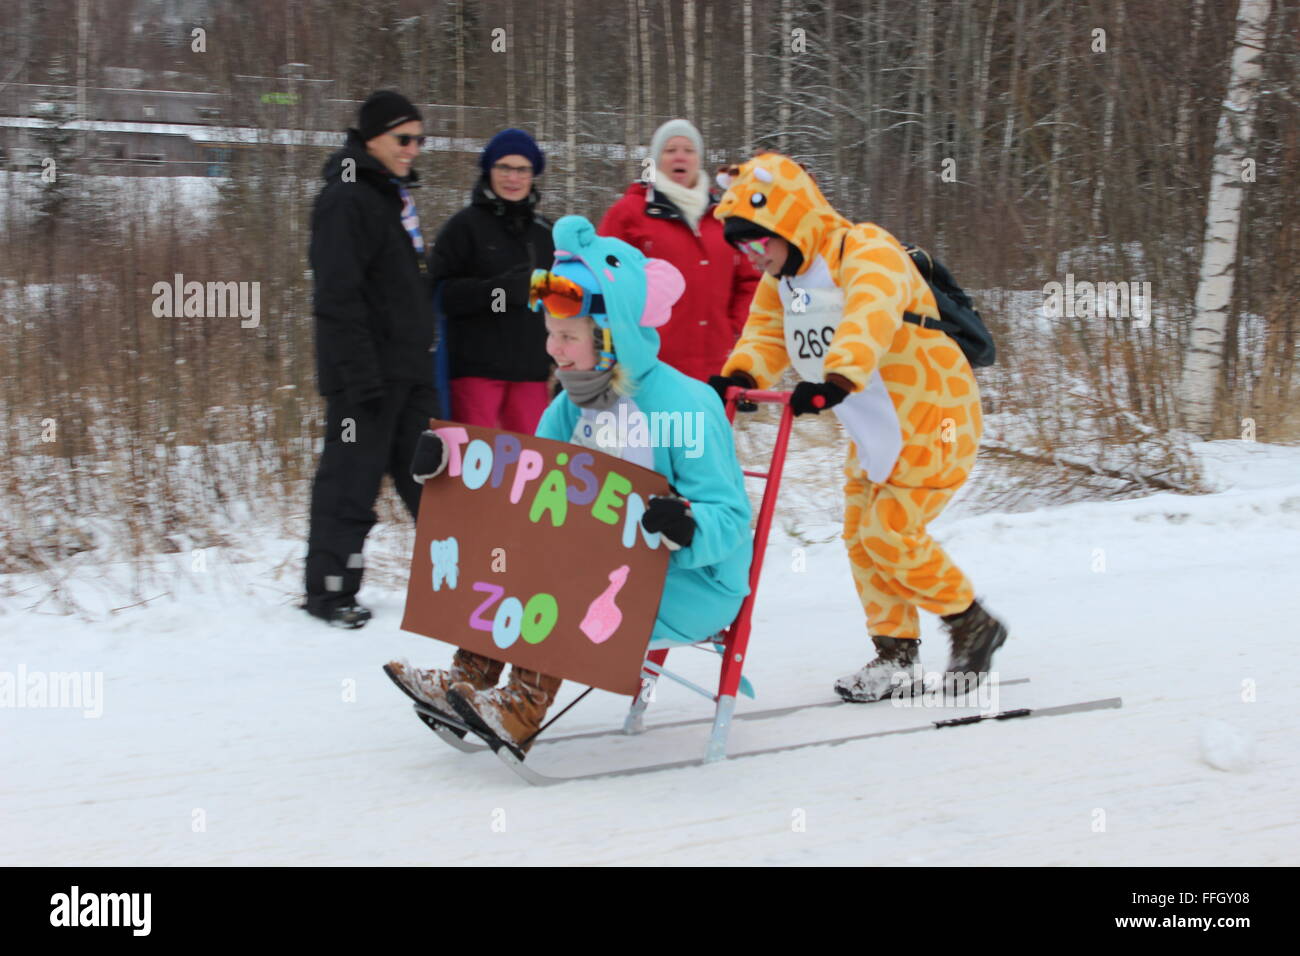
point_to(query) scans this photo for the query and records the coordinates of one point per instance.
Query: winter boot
(893, 669)
(345, 615)
(975, 635)
(508, 715)
(429, 687)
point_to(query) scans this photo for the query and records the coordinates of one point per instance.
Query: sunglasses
(406, 139)
(754, 247)
(562, 298)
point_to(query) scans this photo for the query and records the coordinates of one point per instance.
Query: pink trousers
(492, 403)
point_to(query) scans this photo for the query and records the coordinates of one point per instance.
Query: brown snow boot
(975, 635)
(508, 715)
(891, 671)
(430, 687)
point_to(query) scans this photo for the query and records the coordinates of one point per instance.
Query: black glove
(802, 399)
(671, 519)
(430, 457)
(515, 282)
(720, 383)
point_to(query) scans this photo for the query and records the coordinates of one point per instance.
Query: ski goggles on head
(562, 298)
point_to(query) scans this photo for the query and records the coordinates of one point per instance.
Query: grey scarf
(589, 389)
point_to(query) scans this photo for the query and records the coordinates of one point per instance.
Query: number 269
(813, 344)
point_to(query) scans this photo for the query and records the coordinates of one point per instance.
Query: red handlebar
(757, 395)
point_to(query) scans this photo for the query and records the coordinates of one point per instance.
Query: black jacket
(492, 244)
(372, 299)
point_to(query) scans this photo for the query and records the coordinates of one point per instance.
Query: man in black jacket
(374, 334)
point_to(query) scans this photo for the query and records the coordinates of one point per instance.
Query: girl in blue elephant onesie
(607, 356)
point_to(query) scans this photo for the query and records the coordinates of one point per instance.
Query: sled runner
(451, 729)
(536, 778)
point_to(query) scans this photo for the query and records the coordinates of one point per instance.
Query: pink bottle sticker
(603, 615)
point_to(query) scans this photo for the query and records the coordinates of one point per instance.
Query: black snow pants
(359, 448)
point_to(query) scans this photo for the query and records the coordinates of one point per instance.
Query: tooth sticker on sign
(446, 559)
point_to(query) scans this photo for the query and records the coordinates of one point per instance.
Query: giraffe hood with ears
(775, 192)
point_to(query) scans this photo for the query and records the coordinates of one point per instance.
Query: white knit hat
(675, 127)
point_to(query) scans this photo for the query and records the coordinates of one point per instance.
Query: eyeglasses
(562, 298)
(505, 169)
(405, 139)
(754, 247)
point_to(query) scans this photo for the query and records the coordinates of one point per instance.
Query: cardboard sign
(531, 551)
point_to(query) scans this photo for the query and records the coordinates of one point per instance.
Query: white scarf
(692, 202)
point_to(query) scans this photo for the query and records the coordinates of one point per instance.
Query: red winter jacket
(720, 282)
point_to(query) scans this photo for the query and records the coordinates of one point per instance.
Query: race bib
(811, 318)
(813, 311)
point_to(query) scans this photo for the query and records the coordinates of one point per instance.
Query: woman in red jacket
(670, 216)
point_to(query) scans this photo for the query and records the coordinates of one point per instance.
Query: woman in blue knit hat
(482, 261)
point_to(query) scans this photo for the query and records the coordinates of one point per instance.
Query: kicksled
(731, 647)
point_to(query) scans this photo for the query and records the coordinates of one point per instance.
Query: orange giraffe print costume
(905, 462)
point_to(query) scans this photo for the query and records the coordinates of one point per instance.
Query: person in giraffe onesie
(845, 305)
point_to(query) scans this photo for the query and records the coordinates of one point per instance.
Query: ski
(440, 724)
(538, 779)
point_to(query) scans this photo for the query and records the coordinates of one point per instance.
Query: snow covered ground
(235, 730)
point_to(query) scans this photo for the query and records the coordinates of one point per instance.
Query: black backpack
(957, 316)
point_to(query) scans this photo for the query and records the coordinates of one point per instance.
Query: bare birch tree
(571, 109)
(749, 75)
(1204, 359)
(631, 97)
(787, 69)
(670, 49)
(688, 38)
(510, 63)
(706, 121)
(647, 66)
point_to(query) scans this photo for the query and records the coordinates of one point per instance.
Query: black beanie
(738, 229)
(384, 110)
